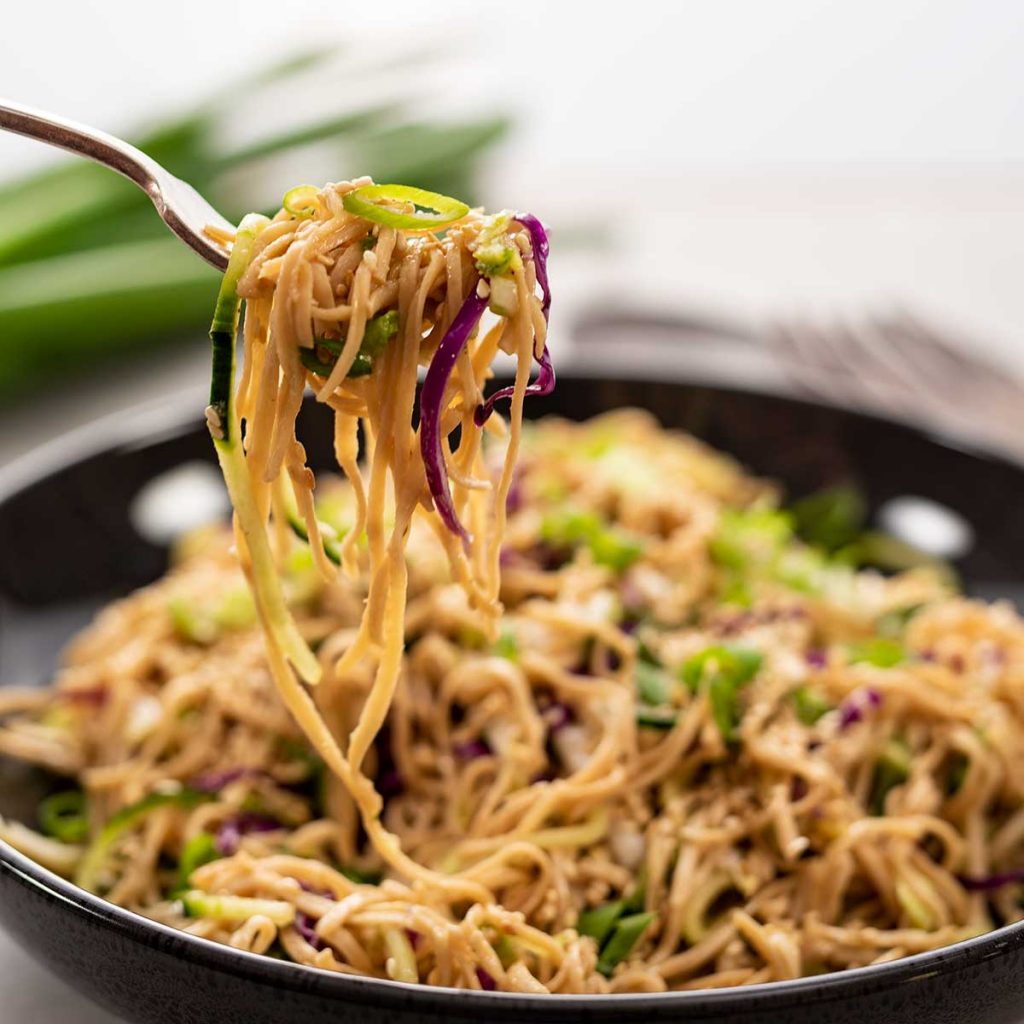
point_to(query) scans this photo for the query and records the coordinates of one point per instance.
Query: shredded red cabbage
(471, 749)
(487, 983)
(556, 715)
(440, 369)
(230, 833)
(541, 249)
(432, 405)
(307, 929)
(543, 385)
(817, 658)
(214, 782)
(853, 708)
(545, 382)
(989, 882)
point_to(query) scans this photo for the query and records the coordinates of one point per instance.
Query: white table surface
(946, 243)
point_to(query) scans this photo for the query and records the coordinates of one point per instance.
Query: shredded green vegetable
(199, 850)
(622, 940)
(91, 868)
(63, 816)
(809, 705)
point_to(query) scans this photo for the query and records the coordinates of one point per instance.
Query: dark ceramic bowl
(68, 542)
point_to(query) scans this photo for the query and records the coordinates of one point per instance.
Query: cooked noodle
(626, 734)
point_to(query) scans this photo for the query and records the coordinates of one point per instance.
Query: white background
(757, 157)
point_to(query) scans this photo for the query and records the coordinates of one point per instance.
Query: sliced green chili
(430, 209)
(63, 817)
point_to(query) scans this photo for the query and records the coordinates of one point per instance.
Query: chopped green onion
(627, 931)
(830, 518)
(63, 816)
(236, 909)
(635, 902)
(892, 625)
(97, 854)
(731, 668)
(497, 258)
(655, 718)
(361, 877)
(879, 652)
(892, 769)
(598, 922)
(301, 201)
(608, 545)
(507, 646)
(651, 684)
(740, 663)
(430, 209)
(750, 537)
(504, 297)
(809, 705)
(379, 331)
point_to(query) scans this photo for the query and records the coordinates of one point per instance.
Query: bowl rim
(173, 415)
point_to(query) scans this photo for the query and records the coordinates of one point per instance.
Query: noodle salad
(570, 708)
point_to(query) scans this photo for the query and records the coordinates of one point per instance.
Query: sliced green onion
(652, 685)
(379, 331)
(97, 854)
(199, 850)
(627, 931)
(892, 769)
(608, 545)
(830, 518)
(507, 646)
(739, 663)
(361, 877)
(236, 909)
(598, 922)
(809, 705)
(730, 668)
(63, 817)
(301, 201)
(879, 652)
(655, 718)
(430, 209)
(751, 537)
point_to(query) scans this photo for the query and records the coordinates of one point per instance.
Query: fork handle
(64, 133)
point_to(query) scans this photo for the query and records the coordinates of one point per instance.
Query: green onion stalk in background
(88, 272)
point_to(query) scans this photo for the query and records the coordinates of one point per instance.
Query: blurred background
(755, 179)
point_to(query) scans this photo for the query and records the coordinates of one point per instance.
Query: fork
(895, 363)
(180, 206)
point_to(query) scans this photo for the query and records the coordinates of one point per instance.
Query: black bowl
(70, 543)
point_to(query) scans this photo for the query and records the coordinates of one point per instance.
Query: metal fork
(180, 206)
(897, 364)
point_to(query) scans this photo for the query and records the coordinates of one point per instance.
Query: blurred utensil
(897, 364)
(180, 206)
